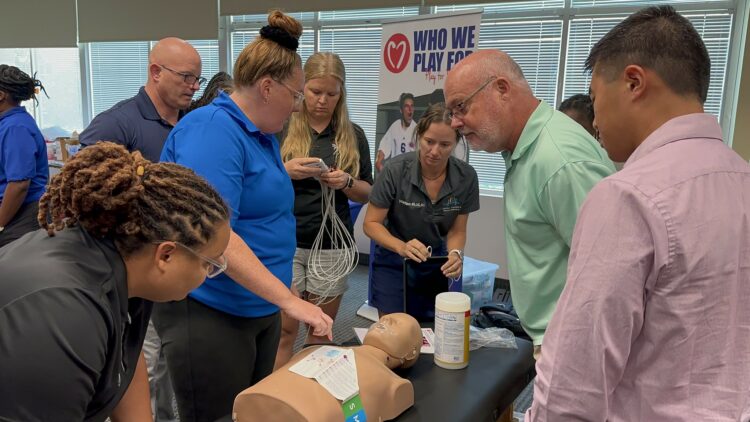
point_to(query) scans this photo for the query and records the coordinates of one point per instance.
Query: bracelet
(459, 252)
(350, 182)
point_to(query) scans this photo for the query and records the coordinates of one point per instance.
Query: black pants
(212, 356)
(23, 222)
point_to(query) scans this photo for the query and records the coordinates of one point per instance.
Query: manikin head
(399, 336)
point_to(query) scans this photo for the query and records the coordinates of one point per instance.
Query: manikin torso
(290, 397)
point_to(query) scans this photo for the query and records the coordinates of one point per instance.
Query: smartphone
(318, 163)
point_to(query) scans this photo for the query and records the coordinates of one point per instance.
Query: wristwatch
(459, 252)
(350, 182)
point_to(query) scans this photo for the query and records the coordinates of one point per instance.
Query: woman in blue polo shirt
(420, 203)
(23, 156)
(223, 338)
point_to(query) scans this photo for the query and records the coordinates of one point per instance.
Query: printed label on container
(452, 336)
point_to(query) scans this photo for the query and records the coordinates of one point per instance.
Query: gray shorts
(304, 281)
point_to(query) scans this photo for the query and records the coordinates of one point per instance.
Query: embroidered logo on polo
(452, 204)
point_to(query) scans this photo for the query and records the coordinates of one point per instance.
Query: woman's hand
(414, 250)
(335, 179)
(299, 168)
(311, 315)
(454, 266)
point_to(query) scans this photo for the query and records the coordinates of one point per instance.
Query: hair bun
(280, 36)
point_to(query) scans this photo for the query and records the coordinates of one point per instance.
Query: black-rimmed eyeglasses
(189, 78)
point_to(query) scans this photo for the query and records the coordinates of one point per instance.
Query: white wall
(485, 239)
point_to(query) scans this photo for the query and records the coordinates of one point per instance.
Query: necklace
(434, 178)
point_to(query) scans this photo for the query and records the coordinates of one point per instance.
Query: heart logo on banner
(396, 53)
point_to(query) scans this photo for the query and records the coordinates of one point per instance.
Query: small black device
(422, 282)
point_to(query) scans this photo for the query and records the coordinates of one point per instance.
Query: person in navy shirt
(143, 122)
(223, 338)
(23, 156)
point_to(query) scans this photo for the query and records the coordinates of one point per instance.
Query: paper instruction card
(334, 368)
(428, 339)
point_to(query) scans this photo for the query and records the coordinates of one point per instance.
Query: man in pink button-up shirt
(654, 320)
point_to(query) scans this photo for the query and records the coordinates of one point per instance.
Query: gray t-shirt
(69, 337)
(411, 214)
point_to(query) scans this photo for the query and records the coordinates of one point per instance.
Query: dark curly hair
(113, 193)
(221, 81)
(18, 84)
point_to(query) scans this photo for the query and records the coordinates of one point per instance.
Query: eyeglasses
(298, 96)
(459, 110)
(189, 78)
(214, 267)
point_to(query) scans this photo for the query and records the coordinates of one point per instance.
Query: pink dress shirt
(654, 321)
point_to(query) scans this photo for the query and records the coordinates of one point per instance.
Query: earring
(265, 100)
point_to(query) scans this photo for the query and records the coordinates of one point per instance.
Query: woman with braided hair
(223, 337)
(23, 156)
(75, 299)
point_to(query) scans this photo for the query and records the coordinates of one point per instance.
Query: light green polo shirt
(554, 165)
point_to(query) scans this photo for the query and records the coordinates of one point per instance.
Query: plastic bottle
(452, 312)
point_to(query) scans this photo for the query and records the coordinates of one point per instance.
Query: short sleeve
(105, 127)
(214, 153)
(385, 144)
(562, 195)
(51, 359)
(384, 190)
(19, 151)
(471, 203)
(365, 162)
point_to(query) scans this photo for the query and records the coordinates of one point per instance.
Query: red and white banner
(416, 55)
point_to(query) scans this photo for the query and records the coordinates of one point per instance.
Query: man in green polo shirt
(552, 164)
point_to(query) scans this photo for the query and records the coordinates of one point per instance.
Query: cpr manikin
(392, 342)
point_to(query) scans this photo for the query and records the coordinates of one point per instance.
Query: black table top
(477, 393)
(493, 379)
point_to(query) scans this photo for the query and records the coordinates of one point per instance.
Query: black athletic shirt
(69, 337)
(307, 192)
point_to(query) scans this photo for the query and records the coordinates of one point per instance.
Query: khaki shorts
(304, 281)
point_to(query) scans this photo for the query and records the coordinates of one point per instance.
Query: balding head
(490, 98)
(171, 51)
(479, 66)
(173, 64)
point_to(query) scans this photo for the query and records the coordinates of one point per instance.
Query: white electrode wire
(327, 268)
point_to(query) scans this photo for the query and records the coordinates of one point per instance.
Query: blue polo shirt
(23, 154)
(221, 144)
(133, 123)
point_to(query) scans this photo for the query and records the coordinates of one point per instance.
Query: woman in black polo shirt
(75, 300)
(420, 200)
(321, 130)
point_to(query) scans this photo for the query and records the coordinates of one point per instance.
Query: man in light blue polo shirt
(552, 164)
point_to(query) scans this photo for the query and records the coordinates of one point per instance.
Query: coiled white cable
(333, 269)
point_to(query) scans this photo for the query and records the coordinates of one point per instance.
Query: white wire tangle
(323, 266)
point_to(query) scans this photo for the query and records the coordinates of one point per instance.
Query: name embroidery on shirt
(411, 204)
